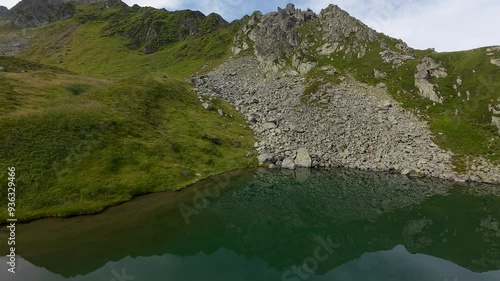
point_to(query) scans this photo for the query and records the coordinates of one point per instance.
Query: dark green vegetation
(89, 122)
(448, 232)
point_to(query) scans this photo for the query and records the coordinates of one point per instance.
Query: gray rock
(495, 62)
(252, 117)
(496, 121)
(406, 171)
(208, 106)
(288, 164)
(221, 112)
(296, 128)
(387, 104)
(379, 74)
(427, 69)
(2, 69)
(265, 157)
(268, 126)
(33, 13)
(303, 159)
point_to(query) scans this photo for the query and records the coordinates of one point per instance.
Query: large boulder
(288, 164)
(303, 158)
(268, 126)
(426, 70)
(496, 121)
(265, 158)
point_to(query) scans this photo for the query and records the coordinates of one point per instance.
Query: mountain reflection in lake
(276, 225)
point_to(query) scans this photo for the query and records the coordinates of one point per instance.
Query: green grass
(83, 52)
(105, 146)
(460, 125)
(89, 126)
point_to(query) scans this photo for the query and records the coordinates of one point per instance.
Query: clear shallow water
(271, 225)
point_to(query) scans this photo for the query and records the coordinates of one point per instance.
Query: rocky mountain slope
(33, 13)
(317, 91)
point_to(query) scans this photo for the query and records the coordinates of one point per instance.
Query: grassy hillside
(461, 124)
(89, 122)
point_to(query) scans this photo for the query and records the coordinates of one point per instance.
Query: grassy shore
(89, 123)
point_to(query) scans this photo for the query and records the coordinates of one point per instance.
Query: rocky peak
(426, 70)
(296, 36)
(291, 12)
(155, 28)
(109, 3)
(338, 24)
(31, 13)
(3, 9)
(274, 35)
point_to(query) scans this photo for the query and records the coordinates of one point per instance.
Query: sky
(446, 25)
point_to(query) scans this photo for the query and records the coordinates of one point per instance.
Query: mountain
(103, 101)
(334, 92)
(32, 13)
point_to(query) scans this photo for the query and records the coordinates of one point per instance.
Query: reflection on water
(276, 225)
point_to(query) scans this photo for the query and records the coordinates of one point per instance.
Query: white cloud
(442, 24)
(8, 3)
(448, 27)
(168, 4)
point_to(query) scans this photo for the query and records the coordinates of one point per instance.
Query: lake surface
(275, 225)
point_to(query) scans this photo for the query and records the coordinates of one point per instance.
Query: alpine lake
(275, 225)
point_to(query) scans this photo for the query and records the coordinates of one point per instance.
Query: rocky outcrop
(426, 70)
(109, 3)
(303, 159)
(3, 10)
(32, 13)
(159, 28)
(356, 125)
(274, 36)
(494, 52)
(291, 37)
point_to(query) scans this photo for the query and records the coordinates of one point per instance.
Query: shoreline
(236, 172)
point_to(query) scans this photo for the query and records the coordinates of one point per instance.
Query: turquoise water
(272, 225)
